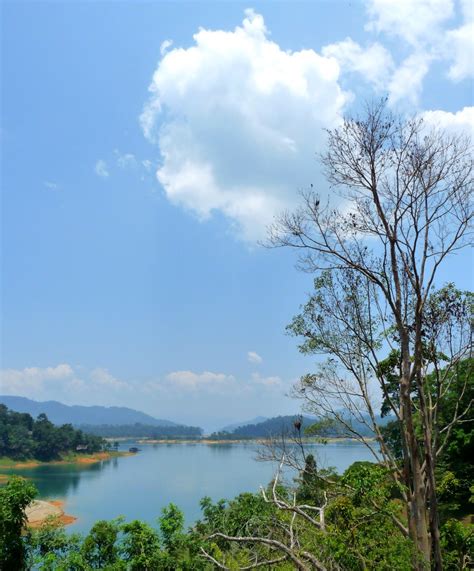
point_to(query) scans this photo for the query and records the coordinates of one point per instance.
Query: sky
(146, 146)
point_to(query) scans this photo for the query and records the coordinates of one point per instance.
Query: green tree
(140, 546)
(21, 437)
(171, 525)
(100, 546)
(457, 540)
(15, 497)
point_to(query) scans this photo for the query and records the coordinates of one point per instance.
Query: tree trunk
(434, 522)
(437, 564)
(426, 418)
(417, 508)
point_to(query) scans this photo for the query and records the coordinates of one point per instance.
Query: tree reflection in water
(56, 480)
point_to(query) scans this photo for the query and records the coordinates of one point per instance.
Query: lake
(139, 486)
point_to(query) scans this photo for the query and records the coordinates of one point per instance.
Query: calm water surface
(139, 486)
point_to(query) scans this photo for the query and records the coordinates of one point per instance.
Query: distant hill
(233, 426)
(59, 413)
(142, 431)
(285, 425)
(272, 426)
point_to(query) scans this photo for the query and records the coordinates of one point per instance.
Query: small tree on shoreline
(406, 193)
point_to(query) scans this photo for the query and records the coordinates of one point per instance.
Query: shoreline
(40, 511)
(311, 440)
(8, 463)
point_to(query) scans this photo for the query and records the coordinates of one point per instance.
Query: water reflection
(58, 480)
(139, 486)
(221, 448)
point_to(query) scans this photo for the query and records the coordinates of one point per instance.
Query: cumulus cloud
(182, 383)
(418, 22)
(207, 380)
(460, 122)
(459, 45)
(238, 121)
(373, 63)
(269, 382)
(103, 377)
(101, 169)
(61, 382)
(425, 26)
(31, 379)
(254, 357)
(406, 83)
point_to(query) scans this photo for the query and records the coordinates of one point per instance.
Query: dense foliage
(22, 437)
(455, 467)
(138, 430)
(14, 498)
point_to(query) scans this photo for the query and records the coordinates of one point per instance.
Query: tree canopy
(22, 437)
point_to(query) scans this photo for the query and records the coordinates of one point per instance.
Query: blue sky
(145, 146)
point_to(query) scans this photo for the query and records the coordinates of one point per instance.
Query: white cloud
(207, 380)
(467, 7)
(238, 121)
(254, 357)
(62, 382)
(418, 22)
(103, 377)
(181, 383)
(101, 169)
(32, 379)
(125, 160)
(269, 382)
(407, 81)
(50, 185)
(460, 48)
(424, 25)
(374, 63)
(165, 45)
(460, 122)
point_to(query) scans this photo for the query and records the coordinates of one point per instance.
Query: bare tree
(405, 207)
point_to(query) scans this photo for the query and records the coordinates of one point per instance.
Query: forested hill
(139, 430)
(76, 415)
(234, 425)
(273, 426)
(286, 425)
(269, 427)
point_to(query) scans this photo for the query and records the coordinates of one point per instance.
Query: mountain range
(59, 413)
